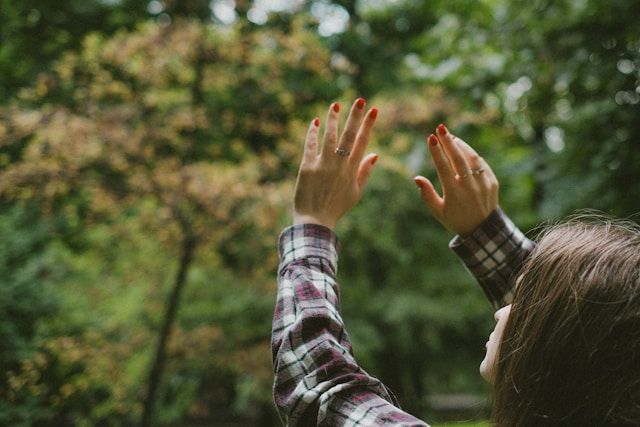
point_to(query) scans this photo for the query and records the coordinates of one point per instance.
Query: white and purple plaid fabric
(494, 253)
(317, 379)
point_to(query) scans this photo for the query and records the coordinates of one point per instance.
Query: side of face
(488, 365)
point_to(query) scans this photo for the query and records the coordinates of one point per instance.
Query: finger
(444, 169)
(311, 142)
(473, 158)
(352, 125)
(331, 131)
(364, 134)
(452, 149)
(365, 169)
(475, 161)
(434, 202)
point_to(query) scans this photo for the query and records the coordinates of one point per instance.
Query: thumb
(429, 194)
(365, 168)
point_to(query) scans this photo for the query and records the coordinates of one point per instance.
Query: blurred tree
(33, 33)
(181, 116)
(575, 96)
(29, 268)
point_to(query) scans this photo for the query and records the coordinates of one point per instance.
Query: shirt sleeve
(494, 254)
(317, 379)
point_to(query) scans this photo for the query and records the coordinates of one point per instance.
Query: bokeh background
(147, 157)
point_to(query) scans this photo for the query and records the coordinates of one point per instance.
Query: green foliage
(151, 136)
(581, 106)
(35, 32)
(30, 269)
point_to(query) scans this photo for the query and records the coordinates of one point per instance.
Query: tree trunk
(155, 374)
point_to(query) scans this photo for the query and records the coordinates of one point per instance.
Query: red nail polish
(336, 107)
(374, 113)
(433, 141)
(316, 121)
(442, 129)
(375, 159)
(360, 103)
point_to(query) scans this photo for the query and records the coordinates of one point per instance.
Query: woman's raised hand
(469, 186)
(333, 174)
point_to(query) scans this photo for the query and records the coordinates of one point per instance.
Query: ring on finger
(465, 174)
(342, 152)
(470, 172)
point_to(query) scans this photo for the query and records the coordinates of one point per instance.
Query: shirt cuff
(308, 240)
(491, 245)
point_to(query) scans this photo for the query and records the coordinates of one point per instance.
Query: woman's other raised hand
(333, 174)
(469, 186)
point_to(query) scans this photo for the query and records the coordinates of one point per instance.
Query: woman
(564, 353)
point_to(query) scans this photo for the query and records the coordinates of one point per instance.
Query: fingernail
(316, 122)
(336, 107)
(360, 103)
(417, 182)
(374, 113)
(433, 141)
(442, 129)
(375, 159)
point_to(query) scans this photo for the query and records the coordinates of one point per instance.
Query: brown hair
(570, 353)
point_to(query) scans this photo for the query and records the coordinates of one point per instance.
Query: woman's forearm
(317, 379)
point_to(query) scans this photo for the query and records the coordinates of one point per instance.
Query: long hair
(570, 353)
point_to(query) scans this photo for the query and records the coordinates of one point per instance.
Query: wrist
(479, 223)
(467, 230)
(313, 219)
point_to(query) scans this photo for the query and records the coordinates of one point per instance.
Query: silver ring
(466, 173)
(342, 152)
(469, 172)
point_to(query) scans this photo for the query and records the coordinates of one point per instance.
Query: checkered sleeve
(317, 379)
(494, 253)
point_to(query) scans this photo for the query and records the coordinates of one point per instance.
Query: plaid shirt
(317, 379)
